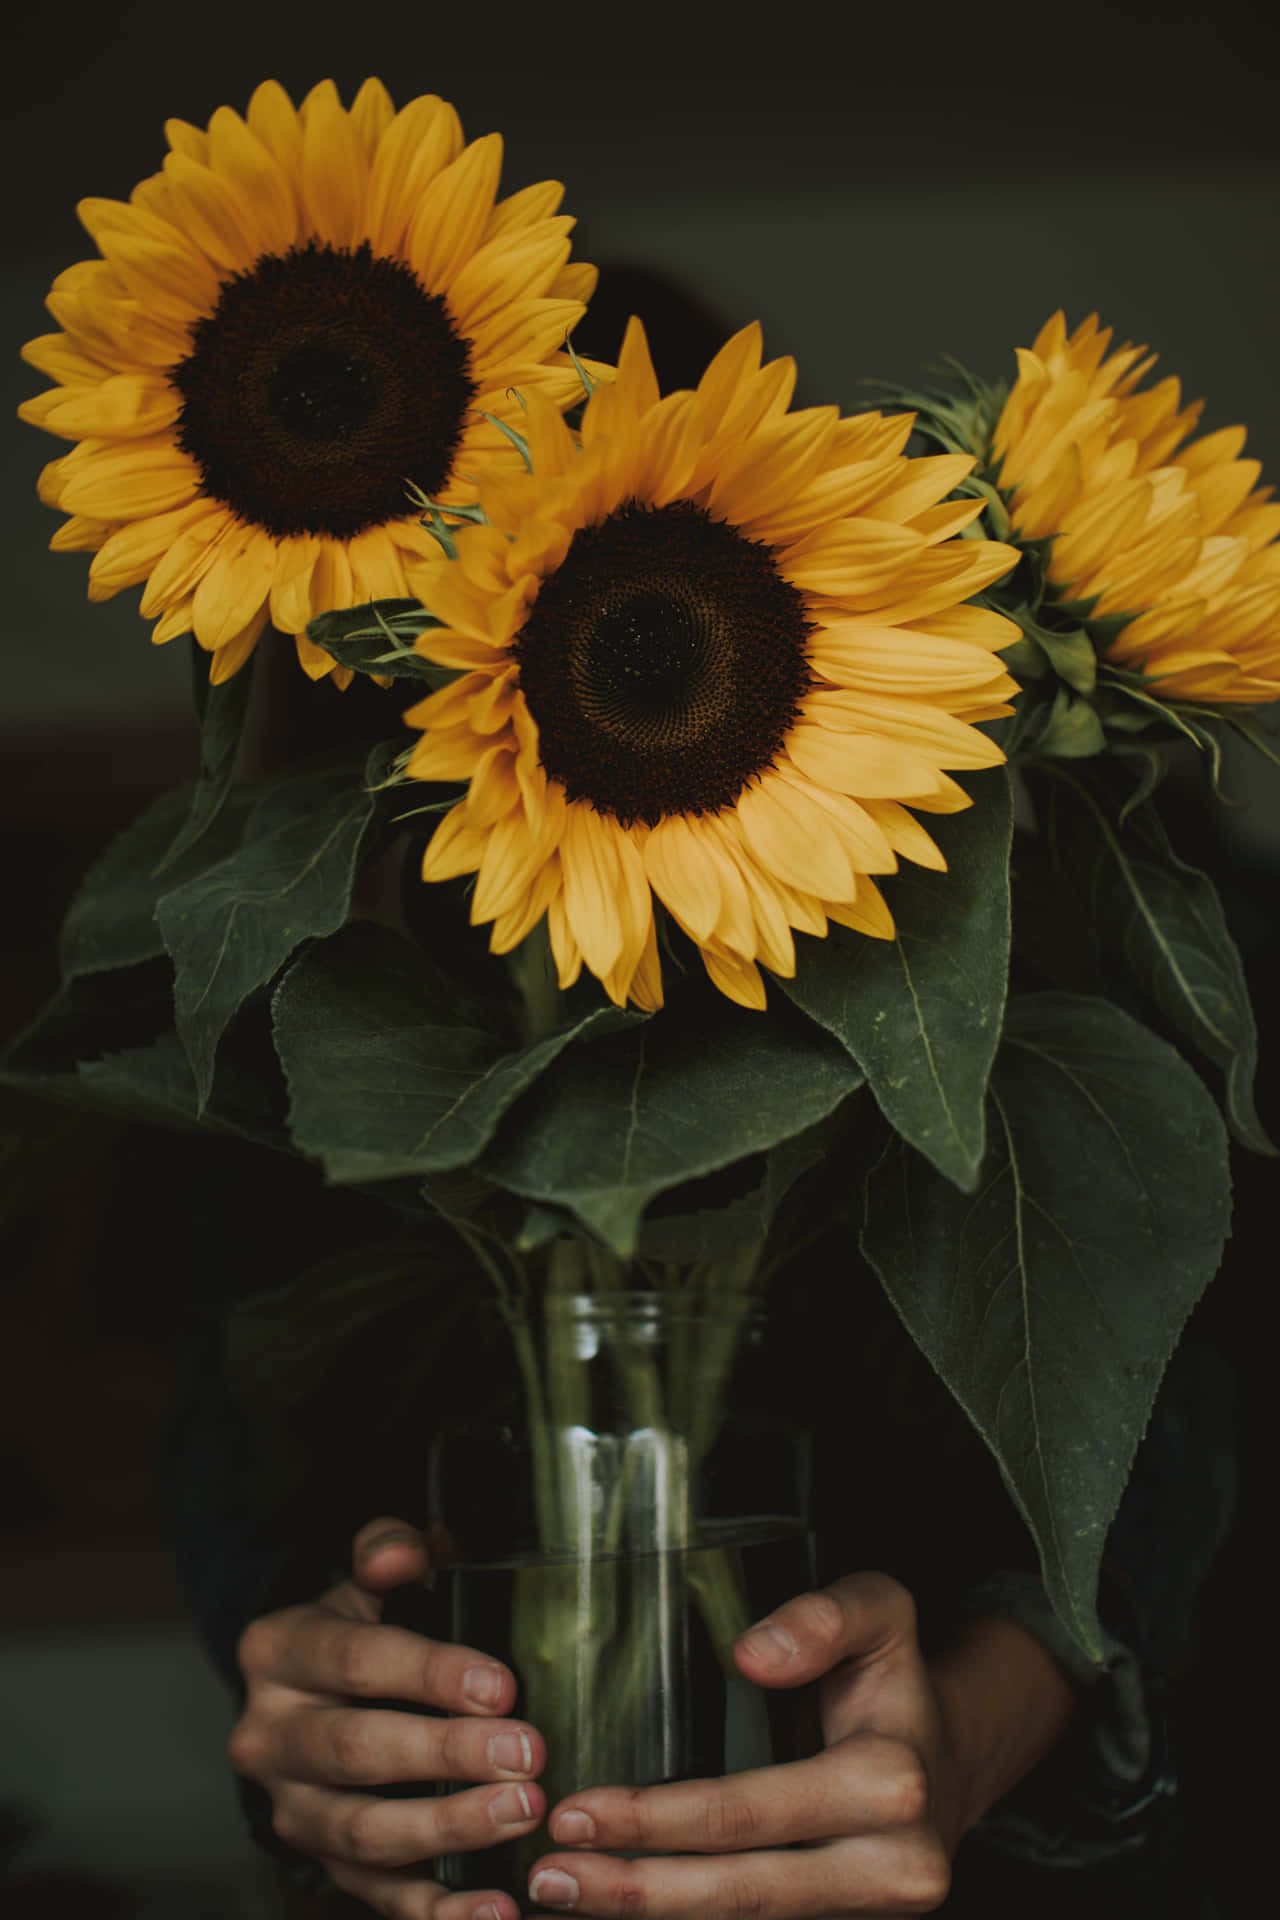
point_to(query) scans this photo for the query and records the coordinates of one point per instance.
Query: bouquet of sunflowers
(760, 790)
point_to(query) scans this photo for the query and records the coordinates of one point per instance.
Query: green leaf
(703, 1220)
(155, 1083)
(390, 1073)
(1169, 923)
(221, 712)
(1050, 1300)
(614, 1123)
(378, 639)
(112, 919)
(281, 1345)
(232, 927)
(920, 1014)
(89, 1015)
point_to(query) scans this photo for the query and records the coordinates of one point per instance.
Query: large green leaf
(920, 1014)
(221, 712)
(615, 1123)
(231, 928)
(706, 1218)
(389, 1073)
(112, 919)
(1050, 1300)
(1166, 919)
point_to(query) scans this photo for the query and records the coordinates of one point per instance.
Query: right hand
(307, 1738)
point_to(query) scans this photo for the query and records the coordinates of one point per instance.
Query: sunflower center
(320, 392)
(664, 662)
(322, 381)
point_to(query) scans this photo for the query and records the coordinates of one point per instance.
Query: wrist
(1003, 1703)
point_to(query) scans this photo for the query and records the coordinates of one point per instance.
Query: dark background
(875, 191)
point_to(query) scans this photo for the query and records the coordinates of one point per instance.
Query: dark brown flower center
(664, 662)
(322, 382)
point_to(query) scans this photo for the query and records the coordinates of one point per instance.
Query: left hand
(880, 1806)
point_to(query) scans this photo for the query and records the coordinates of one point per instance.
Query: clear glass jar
(616, 1526)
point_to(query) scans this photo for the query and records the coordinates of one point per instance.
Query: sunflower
(1173, 535)
(304, 310)
(709, 656)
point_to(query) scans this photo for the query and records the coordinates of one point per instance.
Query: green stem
(533, 968)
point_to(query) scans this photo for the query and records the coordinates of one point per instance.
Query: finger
(866, 1785)
(371, 1831)
(316, 1649)
(389, 1553)
(371, 1747)
(877, 1875)
(865, 1616)
(404, 1895)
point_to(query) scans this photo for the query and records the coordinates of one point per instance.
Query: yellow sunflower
(710, 655)
(304, 310)
(1144, 521)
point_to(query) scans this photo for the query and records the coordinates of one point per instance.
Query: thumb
(388, 1553)
(865, 1617)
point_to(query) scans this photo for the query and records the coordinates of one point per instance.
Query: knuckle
(247, 1746)
(364, 1835)
(893, 1600)
(352, 1667)
(905, 1791)
(350, 1747)
(454, 1825)
(818, 1617)
(256, 1647)
(454, 1742)
(419, 1903)
(415, 1903)
(638, 1819)
(632, 1898)
(927, 1880)
(738, 1898)
(286, 1825)
(729, 1824)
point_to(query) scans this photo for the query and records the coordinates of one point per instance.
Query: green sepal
(517, 440)
(1050, 1299)
(920, 1014)
(1069, 650)
(378, 639)
(1071, 730)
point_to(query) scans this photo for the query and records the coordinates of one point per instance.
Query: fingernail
(511, 1807)
(771, 1645)
(483, 1685)
(553, 1889)
(512, 1752)
(573, 1825)
(489, 1911)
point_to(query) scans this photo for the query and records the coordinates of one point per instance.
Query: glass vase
(615, 1529)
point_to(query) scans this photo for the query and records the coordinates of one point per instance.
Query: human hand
(305, 1736)
(912, 1756)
